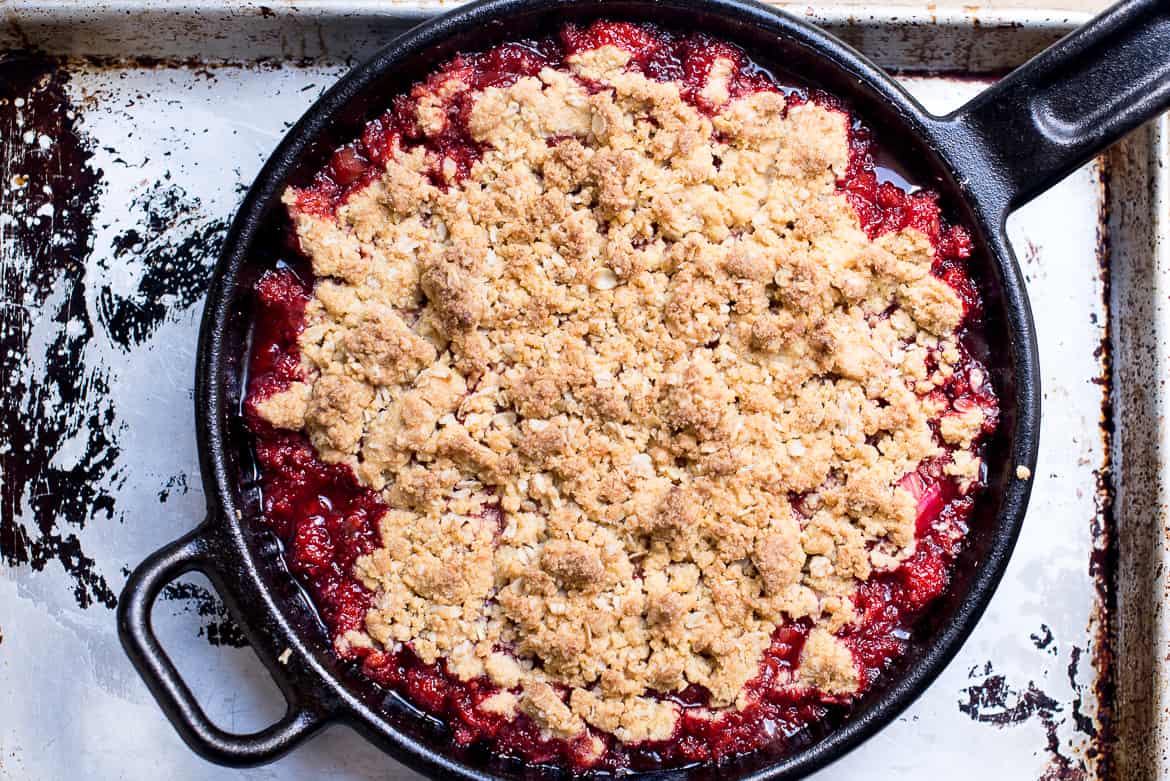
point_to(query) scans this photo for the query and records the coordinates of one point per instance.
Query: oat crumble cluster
(637, 390)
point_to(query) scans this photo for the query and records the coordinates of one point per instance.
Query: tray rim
(833, 12)
(26, 21)
(1155, 140)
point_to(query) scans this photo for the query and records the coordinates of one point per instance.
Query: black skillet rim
(233, 556)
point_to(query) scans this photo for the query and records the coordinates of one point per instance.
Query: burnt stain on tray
(1043, 639)
(174, 245)
(1103, 562)
(176, 484)
(217, 624)
(997, 702)
(60, 451)
(48, 203)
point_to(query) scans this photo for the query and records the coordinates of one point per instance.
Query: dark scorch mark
(59, 434)
(217, 626)
(175, 484)
(52, 405)
(1084, 723)
(1043, 639)
(995, 701)
(175, 246)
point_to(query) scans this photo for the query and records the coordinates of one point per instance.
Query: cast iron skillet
(1004, 147)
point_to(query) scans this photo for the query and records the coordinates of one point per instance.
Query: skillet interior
(795, 54)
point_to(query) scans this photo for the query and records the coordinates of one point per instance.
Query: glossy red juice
(327, 520)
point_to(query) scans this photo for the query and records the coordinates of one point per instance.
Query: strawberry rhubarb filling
(614, 411)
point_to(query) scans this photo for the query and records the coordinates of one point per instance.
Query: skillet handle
(1067, 104)
(187, 554)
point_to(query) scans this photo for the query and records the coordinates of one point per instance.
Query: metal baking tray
(128, 133)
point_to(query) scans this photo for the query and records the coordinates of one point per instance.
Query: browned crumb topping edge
(636, 332)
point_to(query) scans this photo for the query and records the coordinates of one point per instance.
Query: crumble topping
(637, 390)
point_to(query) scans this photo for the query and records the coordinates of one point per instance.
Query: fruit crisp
(623, 392)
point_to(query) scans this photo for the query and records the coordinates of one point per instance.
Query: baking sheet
(116, 184)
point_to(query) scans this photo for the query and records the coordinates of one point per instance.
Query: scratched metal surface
(116, 184)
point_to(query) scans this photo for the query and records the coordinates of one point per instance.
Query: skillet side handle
(1067, 104)
(187, 554)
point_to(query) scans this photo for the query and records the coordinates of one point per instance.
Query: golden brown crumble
(589, 377)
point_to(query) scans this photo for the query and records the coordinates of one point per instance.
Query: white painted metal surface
(175, 143)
